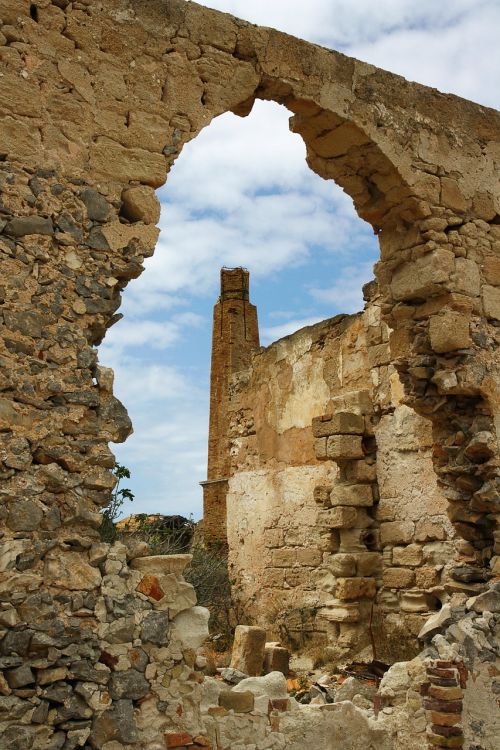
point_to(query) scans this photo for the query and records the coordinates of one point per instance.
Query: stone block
(284, 557)
(70, 570)
(341, 423)
(341, 612)
(427, 530)
(338, 518)
(379, 355)
(357, 402)
(320, 449)
(423, 277)
(396, 532)
(491, 270)
(398, 578)
(411, 555)
(491, 302)
(139, 203)
(368, 563)
(356, 495)
(344, 447)
(361, 471)
(276, 659)
(342, 565)
(449, 331)
(466, 279)
(309, 556)
(321, 495)
(355, 588)
(451, 195)
(110, 159)
(190, 627)
(248, 650)
(427, 578)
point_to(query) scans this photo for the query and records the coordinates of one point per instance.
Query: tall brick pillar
(235, 337)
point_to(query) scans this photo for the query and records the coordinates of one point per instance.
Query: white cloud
(346, 293)
(273, 333)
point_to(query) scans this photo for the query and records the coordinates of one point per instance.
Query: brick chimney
(235, 336)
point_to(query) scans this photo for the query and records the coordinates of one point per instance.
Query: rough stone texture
(99, 99)
(248, 649)
(367, 507)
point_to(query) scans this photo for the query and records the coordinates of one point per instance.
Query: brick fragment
(452, 707)
(440, 741)
(445, 693)
(445, 720)
(178, 739)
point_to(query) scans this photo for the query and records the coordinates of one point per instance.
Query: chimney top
(234, 283)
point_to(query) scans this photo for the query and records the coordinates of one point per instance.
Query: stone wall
(97, 100)
(316, 538)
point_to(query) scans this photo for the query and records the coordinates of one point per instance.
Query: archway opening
(240, 194)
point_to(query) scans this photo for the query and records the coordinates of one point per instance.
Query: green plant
(209, 575)
(111, 511)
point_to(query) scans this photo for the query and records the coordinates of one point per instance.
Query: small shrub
(110, 512)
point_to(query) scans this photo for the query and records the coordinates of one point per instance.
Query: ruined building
(321, 483)
(98, 643)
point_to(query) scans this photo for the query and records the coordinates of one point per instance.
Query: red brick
(279, 704)
(446, 673)
(448, 720)
(150, 586)
(178, 739)
(464, 674)
(445, 693)
(444, 681)
(446, 707)
(447, 731)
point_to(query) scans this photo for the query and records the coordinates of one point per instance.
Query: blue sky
(242, 194)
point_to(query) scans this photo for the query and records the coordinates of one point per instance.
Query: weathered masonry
(97, 643)
(335, 518)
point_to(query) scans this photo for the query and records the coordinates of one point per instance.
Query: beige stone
(309, 557)
(341, 423)
(342, 565)
(71, 570)
(426, 578)
(398, 578)
(423, 277)
(248, 649)
(110, 159)
(139, 203)
(355, 588)
(338, 518)
(368, 563)
(352, 494)
(466, 278)
(396, 532)
(452, 196)
(491, 269)
(411, 555)
(491, 302)
(449, 332)
(344, 447)
(241, 703)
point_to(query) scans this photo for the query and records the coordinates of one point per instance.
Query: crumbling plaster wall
(287, 562)
(96, 102)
